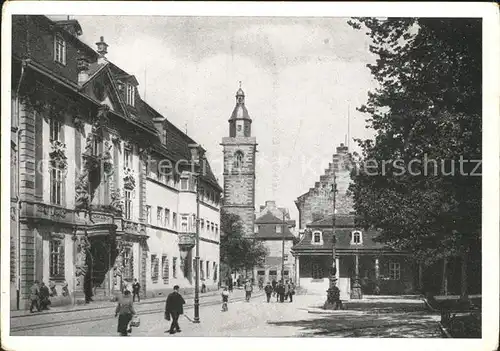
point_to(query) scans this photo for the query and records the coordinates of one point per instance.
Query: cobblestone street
(378, 318)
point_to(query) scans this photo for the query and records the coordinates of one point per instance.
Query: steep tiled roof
(268, 231)
(343, 242)
(340, 221)
(178, 145)
(268, 218)
(267, 228)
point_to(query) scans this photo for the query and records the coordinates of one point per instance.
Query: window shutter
(165, 269)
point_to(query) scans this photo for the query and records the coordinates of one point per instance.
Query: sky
(302, 78)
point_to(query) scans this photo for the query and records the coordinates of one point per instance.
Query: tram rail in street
(81, 320)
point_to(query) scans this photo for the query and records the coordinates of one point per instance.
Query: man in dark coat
(44, 297)
(87, 288)
(174, 308)
(136, 288)
(268, 290)
(281, 291)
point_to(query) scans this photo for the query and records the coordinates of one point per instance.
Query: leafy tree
(426, 113)
(238, 252)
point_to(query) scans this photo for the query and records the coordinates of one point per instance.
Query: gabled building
(379, 269)
(274, 228)
(90, 208)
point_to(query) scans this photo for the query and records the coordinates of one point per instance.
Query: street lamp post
(331, 292)
(283, 248)
(197, 257)
(197, 156)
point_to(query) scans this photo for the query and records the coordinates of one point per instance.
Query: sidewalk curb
(428, 305)
(111, 305)
(321, 311)
(444, 331)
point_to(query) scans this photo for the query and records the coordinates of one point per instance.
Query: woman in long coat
(125, 310)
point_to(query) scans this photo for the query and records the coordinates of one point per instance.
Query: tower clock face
(238, 192)
(238, 197)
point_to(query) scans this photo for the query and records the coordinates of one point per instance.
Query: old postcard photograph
(324, 173)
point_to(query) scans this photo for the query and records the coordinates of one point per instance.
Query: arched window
(238, 159)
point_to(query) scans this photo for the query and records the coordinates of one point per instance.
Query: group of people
(174, 307)
(39, 296)
(282, 290)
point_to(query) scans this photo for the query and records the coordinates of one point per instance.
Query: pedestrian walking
(261, 284)
(87, 287)
(125, 311)
(136, 288)
(174, 307)
(281, 291)
(291, 290)
(230, 285)
(268, 290)
(44, 297)
(286, 288)
(225, 300)
(274, 285)
(35, 296)
(248, 290)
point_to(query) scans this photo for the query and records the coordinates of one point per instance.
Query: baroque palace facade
(103, 187)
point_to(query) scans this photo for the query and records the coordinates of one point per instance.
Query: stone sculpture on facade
(81, 267)
(58, 157)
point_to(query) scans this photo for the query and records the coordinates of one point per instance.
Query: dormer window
(130, 95)
(59, 49)
(278, 229)
(317, 238)
(165, 136)
(356, 238)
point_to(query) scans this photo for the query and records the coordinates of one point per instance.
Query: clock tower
(239, 165)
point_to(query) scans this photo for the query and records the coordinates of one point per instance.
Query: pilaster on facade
(27, 154)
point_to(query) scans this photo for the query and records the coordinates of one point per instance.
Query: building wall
(274, 262)
(318, 202)
(164, 241)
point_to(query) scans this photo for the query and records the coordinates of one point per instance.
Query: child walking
(225, 299)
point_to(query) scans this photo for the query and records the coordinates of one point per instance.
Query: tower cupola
(240, 121)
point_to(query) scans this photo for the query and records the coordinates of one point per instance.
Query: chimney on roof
(102, 50)
(342, 149)
(71, 26)
(83, 69)
(270, 204)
